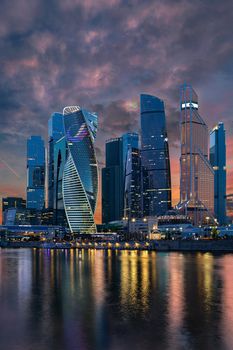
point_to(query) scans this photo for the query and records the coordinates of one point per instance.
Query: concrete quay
(160, 245)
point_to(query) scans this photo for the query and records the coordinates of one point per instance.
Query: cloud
(102, 55)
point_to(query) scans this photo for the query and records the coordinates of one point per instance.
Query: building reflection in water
(137, 271)
(93, 299)
(227, 300)
(176, 301)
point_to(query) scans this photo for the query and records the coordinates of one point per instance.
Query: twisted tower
(80, 176)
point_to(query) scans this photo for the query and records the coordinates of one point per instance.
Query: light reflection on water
(78, 299)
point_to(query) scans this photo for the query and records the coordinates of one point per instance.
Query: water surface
(76, 299)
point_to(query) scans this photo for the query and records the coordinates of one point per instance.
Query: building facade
(155, 157)
(218, 162)
(11, 202)
(129, 140)
(133, 185)
(22, 216)
(197, 175)
(60, 157)
(35, 173)
(80, 175)
(112, 181)
(55, 132)
(113, 176)
(230, 207)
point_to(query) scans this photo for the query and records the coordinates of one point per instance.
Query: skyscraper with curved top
(80, 176)
(197, 175)
(155, 157)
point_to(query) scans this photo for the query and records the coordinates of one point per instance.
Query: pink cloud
(88, 5)
(14, 67)
(96, 77)
(43, 41)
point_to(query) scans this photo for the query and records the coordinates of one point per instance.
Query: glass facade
(218, 162)
(11, 202)
(80, 176)
(55, 132)
(35, 173)
(129, 140)
(112, 181)
(133, 184)
(113, 176)
(197, 176)
(60, 157)
(155, 157)
(229, 204)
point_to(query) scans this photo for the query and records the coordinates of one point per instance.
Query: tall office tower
(133, 184)
(197, 175)
(113, 176)
(60, 157)
(35, 173)
(112, 181)
(80, 176)
(218, 162)
(155, 157)
(230, 208)
(129, 140)
(12, 202)
(55, 132)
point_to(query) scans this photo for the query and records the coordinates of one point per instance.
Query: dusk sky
(101, 55)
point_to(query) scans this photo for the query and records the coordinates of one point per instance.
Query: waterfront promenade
(160, 245)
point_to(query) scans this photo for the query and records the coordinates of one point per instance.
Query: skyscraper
(35, 173)
(133, 185)
(113, 176)
(197, 175)
(229, 204)
(155, 157)
(218, 162)
(60, 157)
(55, 132)
(112, 181)
(80, 175)
(129, 140)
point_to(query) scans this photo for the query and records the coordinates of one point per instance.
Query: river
(94, 299)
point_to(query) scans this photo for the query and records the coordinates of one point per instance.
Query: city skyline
(175, 189)
(116, 174)
(155, 60)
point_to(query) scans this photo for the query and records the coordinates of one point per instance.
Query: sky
(101, 55)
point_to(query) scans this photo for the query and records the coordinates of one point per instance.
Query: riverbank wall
(161, 245)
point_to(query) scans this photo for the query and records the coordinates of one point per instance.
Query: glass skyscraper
(133, 185)
(35, 173)
(55, 132)
(218, 162)
(129, 140)
(80, 175)
(112, 181)
(155, 157)
(197, 175)
(60, 157)
(113, 176)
